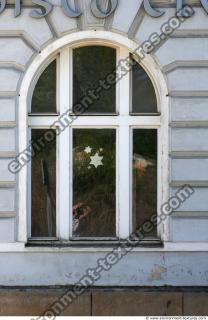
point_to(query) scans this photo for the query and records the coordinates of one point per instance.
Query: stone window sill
(148, 243)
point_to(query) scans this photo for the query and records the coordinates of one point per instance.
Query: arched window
(94, 131)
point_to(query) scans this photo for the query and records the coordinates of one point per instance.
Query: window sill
(88, 114)
(43, 114)
(146, 243)
(142, 114)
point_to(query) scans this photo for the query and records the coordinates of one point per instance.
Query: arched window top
(44, 98)
(144, 99)
(94, 68)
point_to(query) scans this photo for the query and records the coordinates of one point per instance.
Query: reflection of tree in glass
(95, 187)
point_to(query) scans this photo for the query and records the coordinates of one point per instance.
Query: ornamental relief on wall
(45, 7)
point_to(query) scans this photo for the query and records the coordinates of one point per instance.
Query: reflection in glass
(44, 96)
(44, 188)
(90, 65)
(143, 93)
(94, 182)
(144, 177)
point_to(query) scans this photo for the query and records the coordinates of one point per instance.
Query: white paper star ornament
(88, 149)
(96, 160)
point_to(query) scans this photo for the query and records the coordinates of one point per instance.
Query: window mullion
(124, 181)
(63, 205)
(124, 153)
(124, 83)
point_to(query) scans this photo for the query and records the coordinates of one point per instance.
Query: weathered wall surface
(136, 269)
(95, 302)
(183, 58)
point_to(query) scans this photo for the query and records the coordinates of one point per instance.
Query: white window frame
(124, 123)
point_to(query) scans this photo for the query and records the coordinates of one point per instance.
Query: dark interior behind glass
(143, 93)
(94, 182)
(44, 96)
(44, 188)
(144, 177)
(90, 65)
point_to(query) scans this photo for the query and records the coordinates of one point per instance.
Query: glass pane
(44, 96)
(94, 194)
(143, 93)
(44, 187)
(144, 177)
(92, 64)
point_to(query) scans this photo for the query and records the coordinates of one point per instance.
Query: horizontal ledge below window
(148, 243)
(145, 114)
(43, 114)
(86, 114)
(94, 239)
(43, 239)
